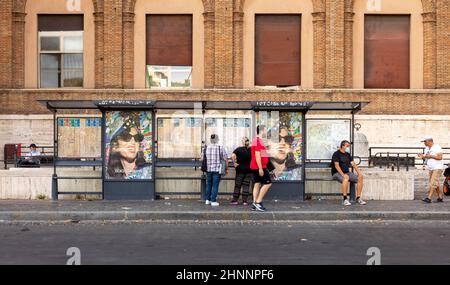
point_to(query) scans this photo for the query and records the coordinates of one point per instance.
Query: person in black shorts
(258, 165)
(340, 170)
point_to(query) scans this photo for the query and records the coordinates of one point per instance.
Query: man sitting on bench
(32, 158)
(340, 170)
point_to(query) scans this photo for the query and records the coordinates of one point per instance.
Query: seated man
(32, 158)
(340, 169)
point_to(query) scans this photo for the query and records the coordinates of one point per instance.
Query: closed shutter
(169, 40)
(386, 51)
(277, 50)
(60, 22)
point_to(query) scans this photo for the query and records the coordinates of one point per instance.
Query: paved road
(284, 243)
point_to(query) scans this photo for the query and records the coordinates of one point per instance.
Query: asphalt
(193, 210)
(417, 242)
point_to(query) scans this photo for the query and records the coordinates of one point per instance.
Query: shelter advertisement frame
(138, 186)
(288, 189)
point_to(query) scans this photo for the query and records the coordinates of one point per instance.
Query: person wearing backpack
(215, 164)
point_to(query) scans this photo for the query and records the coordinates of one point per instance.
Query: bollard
(54, 187)
(203, 186)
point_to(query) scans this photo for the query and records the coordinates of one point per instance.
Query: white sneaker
(207, 202)
(361, 201)
(214, 204)
(346, 203)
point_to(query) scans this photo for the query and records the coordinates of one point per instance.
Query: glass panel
(158, 67)
(50, 43)
(50, 61)
(179, 137)
(230, 126)
(49, 78)
(73, 43)
(80, 185)
(192, 184)
(72, 78)
(157, 77)
(324, 137)
(72, 70)
(284, 143)
(168, 76)
(73, 61)
(49, 74)
(128, 145)
(181, 68)
(79, 137)
(181, 79)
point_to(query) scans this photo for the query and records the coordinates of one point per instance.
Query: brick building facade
(332, 52)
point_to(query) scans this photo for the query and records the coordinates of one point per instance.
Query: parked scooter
(446, 187)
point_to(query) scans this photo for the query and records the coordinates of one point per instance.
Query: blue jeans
(212, 186)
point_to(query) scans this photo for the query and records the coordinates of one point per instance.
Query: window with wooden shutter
(169, 51)
(277, 50)
(386, 51)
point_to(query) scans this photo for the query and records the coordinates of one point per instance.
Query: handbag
(204, 167)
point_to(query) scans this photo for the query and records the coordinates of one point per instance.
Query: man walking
(258, 165)
(340, 170)
(215, 155)
(435, 164)
(241, 159)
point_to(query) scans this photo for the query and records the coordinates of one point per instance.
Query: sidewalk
(194, 210)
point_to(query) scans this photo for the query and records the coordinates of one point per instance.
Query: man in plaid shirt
(215, 154)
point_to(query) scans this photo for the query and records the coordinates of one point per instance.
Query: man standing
(435, 164)
(340, 169)
(258, 165)
(214, 154)
(241, 159)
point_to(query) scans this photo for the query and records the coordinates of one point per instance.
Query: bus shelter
(147, 149)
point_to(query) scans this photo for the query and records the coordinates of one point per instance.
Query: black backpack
(447, 172)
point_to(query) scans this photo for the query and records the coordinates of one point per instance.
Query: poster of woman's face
(128, 148)
(284, 145)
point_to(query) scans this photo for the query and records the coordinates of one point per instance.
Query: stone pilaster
(128, 16)
(429, 44)
(443, 43)
(348, 44)
(319, 43)
(334, 44)
(238, 43)
(223, 50)
(6, 29)
(113, 44)
(18, 45)
(209, 24)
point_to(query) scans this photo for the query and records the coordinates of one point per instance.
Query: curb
(100, 216)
